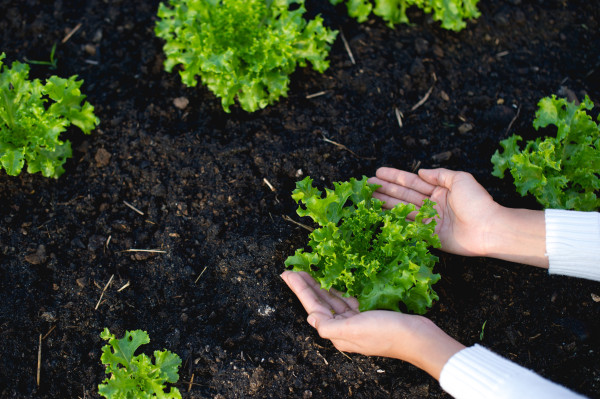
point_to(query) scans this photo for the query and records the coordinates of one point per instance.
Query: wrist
(427, 347)
(517, 235)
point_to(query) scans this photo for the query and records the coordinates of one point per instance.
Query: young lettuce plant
(451, 13)
(376, 255)
(563, 171)
(136, 377)
(242, 50)
(32, 117)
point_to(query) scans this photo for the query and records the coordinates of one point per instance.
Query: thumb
(438, 177)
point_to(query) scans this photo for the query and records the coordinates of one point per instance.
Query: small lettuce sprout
(32, 117)
(136, 377)
(451, 13)
(562, 172)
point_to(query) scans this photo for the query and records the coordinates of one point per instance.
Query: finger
(313, 297)
(399, 193)
(440, 177)
(351, 301)
(406, 179)
(305, 293)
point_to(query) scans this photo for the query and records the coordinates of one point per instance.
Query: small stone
(102, 157)
(442, 156)
(38, 257)
(90, 49)
(595, 297)
(49, 316)
(444, 96)
(465, 128)
(181, 102)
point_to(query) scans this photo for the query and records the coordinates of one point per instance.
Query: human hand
(411, 338)
(465, 208)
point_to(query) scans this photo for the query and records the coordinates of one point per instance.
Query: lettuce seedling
(563, 171)
(32, 117)
(242, 49)
(376, 255)
(451, 13)
(136, 377)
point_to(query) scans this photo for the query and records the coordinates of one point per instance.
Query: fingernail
(311, 320)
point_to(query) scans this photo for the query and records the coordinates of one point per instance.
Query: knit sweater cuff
(478, 373)
(573, 243)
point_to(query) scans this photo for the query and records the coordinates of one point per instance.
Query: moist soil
(211, 190)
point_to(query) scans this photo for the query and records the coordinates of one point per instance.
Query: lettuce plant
(563, 171)
(451, 13)
(32, 117)
(136, 377)
(376, 255)
(242, 49)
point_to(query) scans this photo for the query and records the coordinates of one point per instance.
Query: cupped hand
(465, 208)
(411, 338)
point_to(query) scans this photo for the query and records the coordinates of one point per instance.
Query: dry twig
(71, 33)
(398, 116)
(104, 290)
(426, 96)
(320, 93)
(289, 219)
(347, 47)
(200, 275)
(133, 207)
(343, 147)
(269, 184)
(513, 120)
(39, 362)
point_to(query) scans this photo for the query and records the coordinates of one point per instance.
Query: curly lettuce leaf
(563, 171)
(450, 13)
(242, 50)
(30, 128)
(365, 251)
(134, 377)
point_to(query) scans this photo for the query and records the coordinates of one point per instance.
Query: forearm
(517, 235)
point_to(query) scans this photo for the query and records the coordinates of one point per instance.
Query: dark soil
(199, 176)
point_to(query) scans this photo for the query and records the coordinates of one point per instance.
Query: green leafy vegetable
(30, 128)
(136, 377)
(370, 253)
(451, 13)
(242, 49)
(561, 172)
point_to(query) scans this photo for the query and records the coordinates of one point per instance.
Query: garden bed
(210, 191)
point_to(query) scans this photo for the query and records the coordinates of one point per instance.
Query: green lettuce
(136, 377)
(242, 50)
(376, 255)
(451, 13)
(561, 172)
(32, 117)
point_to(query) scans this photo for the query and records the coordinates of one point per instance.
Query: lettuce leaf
(136, 377)
(242, 50)
(561, 172)
(376, 255)
(30, 128)
(450, 13)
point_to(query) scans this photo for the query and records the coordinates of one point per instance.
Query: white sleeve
(573, 243)
(478, 373)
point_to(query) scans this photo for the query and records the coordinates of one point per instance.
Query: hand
(471, 223)
(411, 338)
(464, 206)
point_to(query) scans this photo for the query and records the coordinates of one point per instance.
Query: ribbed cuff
(478, 373)
(573, 243)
